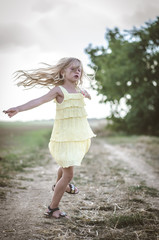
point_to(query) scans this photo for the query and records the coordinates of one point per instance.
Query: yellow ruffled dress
(70, 138)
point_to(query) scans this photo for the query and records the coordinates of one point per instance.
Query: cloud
(67, 25)
(51, 5)
(16, 35)
(72, 27)
(45, 6)
(145, 11)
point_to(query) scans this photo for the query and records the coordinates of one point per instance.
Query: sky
(36, 31)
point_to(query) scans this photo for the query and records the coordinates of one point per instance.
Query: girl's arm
(53, 93)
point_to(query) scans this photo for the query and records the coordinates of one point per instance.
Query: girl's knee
(68, 173)
(60, 170)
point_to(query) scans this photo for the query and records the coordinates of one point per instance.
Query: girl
(71, 134)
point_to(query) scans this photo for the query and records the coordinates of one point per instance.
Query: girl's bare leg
(59, 175)
(60, 188)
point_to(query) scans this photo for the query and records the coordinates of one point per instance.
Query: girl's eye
(74, 69)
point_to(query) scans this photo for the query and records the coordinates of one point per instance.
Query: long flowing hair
(48, 76)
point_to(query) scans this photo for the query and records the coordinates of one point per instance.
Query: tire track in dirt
(136, 162)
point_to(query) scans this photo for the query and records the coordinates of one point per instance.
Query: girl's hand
(11, 111)
(85, 94)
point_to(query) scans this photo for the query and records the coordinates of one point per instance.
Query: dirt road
(118, 199)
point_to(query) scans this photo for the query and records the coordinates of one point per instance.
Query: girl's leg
(59, 175)
(60, 188)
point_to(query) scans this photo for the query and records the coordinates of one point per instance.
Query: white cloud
(48, 5)
(73, 29)
(145, 11)
(16, 35)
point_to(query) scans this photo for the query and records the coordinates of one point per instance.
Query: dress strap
(63, 90)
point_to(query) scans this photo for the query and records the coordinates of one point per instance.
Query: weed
(25, 179)
(137, 200)
(144, 189)
(2, 194)
(22, 188)
(126, 220)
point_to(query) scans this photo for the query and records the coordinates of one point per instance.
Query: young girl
(70, 138)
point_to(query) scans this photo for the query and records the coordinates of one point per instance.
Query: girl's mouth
(76, 76)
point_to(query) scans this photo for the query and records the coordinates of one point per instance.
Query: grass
(22, 146)
(144, 189)
(122, 139)
(121, 226)
(34, 139)
(122, 221)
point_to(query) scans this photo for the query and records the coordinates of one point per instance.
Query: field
(118, 183)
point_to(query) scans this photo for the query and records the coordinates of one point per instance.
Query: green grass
(34, 139)
(22, 146)
(23, 124)
(122, 139)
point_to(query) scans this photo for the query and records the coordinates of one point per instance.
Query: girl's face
(73, 72)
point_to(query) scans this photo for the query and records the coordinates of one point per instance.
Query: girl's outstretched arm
(53, 93)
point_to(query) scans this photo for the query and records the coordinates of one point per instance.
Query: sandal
(72, 189)
(51, 210)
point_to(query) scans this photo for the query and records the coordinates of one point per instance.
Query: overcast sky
(35, 31)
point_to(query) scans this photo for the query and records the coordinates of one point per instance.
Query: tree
(128, 68)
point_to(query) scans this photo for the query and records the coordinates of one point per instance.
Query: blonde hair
(48, 76)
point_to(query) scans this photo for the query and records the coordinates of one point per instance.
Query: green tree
(128, 68)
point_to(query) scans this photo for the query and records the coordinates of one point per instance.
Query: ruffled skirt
(69, 153)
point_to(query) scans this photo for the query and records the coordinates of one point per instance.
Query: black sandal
(72, 189)
(51, 210)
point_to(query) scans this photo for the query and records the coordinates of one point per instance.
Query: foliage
(128, 70)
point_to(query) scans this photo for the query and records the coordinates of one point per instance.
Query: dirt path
(113, 181)
(134, 161)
